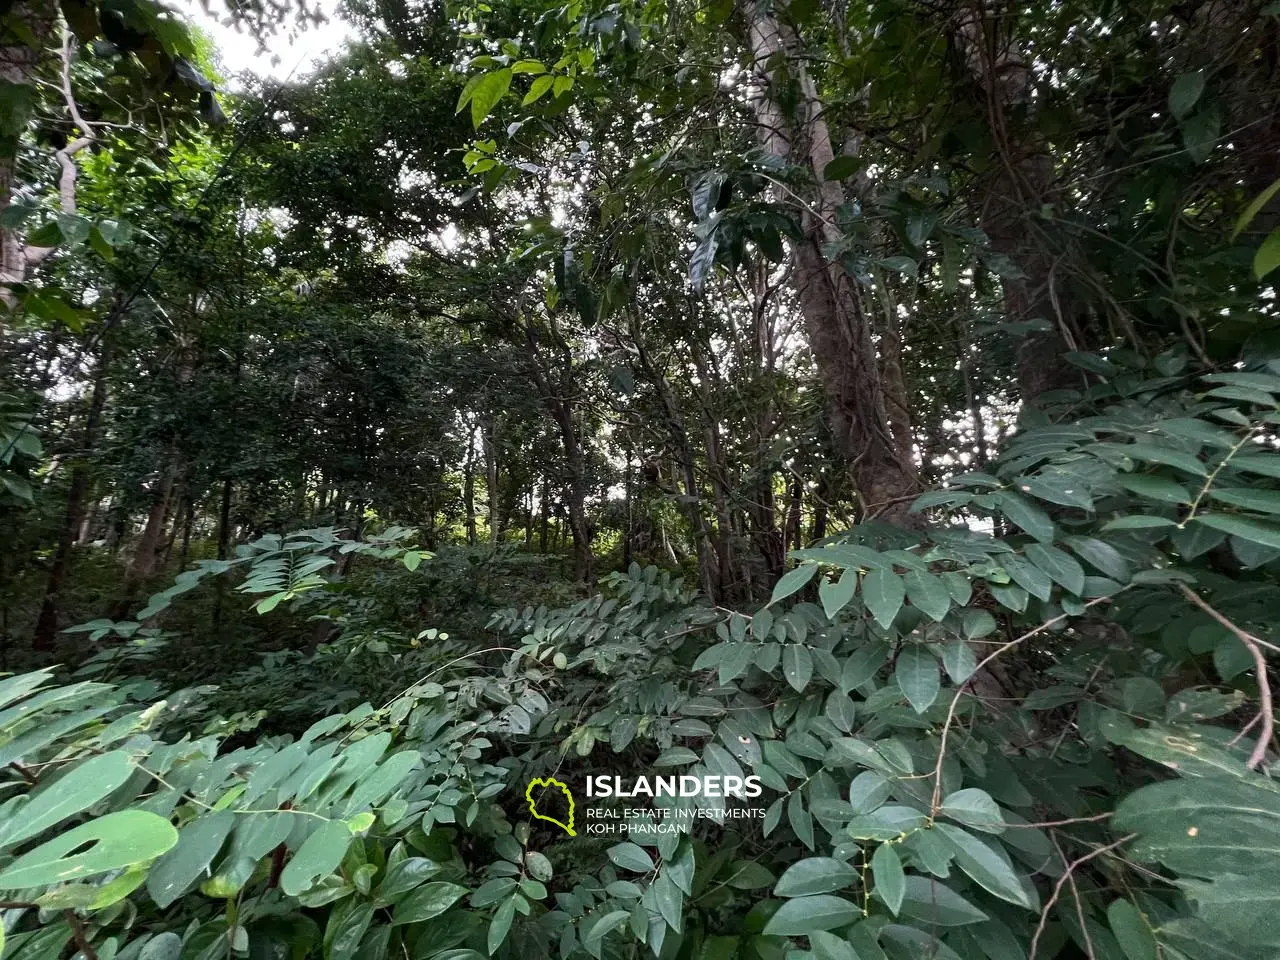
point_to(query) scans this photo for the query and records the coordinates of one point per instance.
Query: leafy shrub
(928, 794)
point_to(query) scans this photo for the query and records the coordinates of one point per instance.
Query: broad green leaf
(537, 89)
(318, 857)
(797, 665)
(987, 864)
(1101, 555)
(1132, 931)
(933, 902)
(427, 901)
(500, 925)
(1264, 501)
(1026, 515)
(868, 791)
(792, 581)
(72, 793)
(631, 857)
(959, 660)
(407, 874)
(1268, 256)
(1256, 531)
(1028, 576)
(917, 675)
(928, 594)
(117, 840)
(1060, 567)
(890, 881)
(163, 946)
(886, 823)
(346, 926)
(1245, 907)
(974, 808)
(836, 594)
(1185, 93)
(735, 660)
(863, 664)
(814, 875)
(1204, 827)
(1138, 523)
(179, 869)
(1156, 488)
(801, 915)
(883, 593)
(978, 623)
(1266, 464)
(492, 87)
(1254, 208)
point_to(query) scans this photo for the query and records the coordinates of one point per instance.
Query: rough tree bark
(839, 334)
(1020, 183)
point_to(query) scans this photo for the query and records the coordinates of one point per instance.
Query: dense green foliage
(881, 401)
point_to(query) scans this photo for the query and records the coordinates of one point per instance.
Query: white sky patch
(296, 49)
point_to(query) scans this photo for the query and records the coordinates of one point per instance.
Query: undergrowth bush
(1055, 741)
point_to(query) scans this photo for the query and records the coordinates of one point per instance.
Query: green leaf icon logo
(543, 786)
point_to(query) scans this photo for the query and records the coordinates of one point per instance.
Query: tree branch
(1254, 646)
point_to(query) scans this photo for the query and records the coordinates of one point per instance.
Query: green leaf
(537, 89)
(1138, 523)
(500, 925)
(928, 594)
(736, 659)
(917, 676)
(1151, 453)
(890, 881)
(347, 925)
(318, 857)
(988, 865)
(491, 88)
(1267, 464)
(1132, 931)
(1059, 566)
(528, 66)
(1026, 515)
(801, 915)
(179, 869)
(630, 856)
(1204, 826)
(1185, 93)
(1062, 489)
(73, 792)
(408, 874)
(959, 660)
(1264, 501)
(1247, 528)
(868, 791)
(1268, 256)
(814, 875)
(883, 593)
(792, 581)
(1254, 208)
(933, 902)
(841, 168)
(797, 665)
(886, 823)
(978, 623)
(427, 901)
(974, 808)
(1028, 576)
(836, 594)
(117, 840)
(1155, 488)
(1102, 555)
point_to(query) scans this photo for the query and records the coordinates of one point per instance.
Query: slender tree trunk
(469, 486)
(792, 126)
(488, 439)
(46, 631)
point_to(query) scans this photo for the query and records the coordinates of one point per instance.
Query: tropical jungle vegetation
(879, 399)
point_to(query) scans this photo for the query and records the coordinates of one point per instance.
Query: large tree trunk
(25, 28)
(838, 332)
(46, 632)
(1022, 181)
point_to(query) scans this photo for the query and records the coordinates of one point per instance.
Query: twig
(936, 802)
(23, 772)
(17, 905)
(77, 933)
(1254, 646)
(1062, 881)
